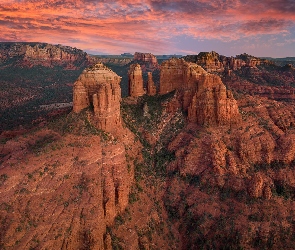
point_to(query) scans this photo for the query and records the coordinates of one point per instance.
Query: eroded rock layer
(203, 94)
(99, 86)
(151, 88)
(135, 81)
(47, 55)
(149, 60)
(212, 104)
(213, 62)
(65, 196)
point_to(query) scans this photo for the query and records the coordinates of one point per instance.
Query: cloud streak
(116, 26)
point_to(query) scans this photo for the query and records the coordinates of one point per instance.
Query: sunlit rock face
(151, 88)
(146, 60)
(203, 95)
(135, 81)
(98, 86)
(212, 104)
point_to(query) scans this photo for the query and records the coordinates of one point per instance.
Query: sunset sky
(230, 27)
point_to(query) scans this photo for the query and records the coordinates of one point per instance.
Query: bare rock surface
(100, 87)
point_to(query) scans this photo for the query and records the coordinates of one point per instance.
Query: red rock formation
(100, 87)
(213, 62)
(148, 60)
(212, 104)
(48, 55)
(204, 95)
(68, 201)
(135, 81)
(146, 57)
(151, 88)
(178, 74)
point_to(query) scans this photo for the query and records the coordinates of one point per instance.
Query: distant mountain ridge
(43, 54)
(214, 62)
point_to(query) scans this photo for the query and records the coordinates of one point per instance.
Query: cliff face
(47, 55)
(178, 74)
(68, 191)
(213, 62)
(151, 88)
(135, 81)
(147, 60)
(100, 87)
(203, 95)
(212, 104)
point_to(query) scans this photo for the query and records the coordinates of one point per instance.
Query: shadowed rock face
(203, 94)
(135, 81)
(151, 88)
(99, 86)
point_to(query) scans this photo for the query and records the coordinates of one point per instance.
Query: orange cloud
(147, 25)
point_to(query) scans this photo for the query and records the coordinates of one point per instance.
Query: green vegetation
(284, 190)
(133, 114)
(45, 86)
(3, 178)
(116, 241)
(40, 143)
(274, 165)
(77, 124)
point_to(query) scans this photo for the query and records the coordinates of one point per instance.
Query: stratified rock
(100, 87)
(178, 74)
(80, 97)
(135, 81)
(88, 185)
(212, 104)
(151, 88)
(213, 62)
(47, 55)
(203, 95)
(148, 60)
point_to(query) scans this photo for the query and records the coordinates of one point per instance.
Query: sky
(230, 27)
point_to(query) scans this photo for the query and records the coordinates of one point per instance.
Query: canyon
(201, 157)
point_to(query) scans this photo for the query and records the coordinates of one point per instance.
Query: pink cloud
(140, 25)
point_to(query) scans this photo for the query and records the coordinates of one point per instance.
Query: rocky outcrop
(213, 62)
(178, 74)
(135, 81)
(212, 104)
(99, 86)
(202, 94)
(69, 200)
(47, 55)
(147, 60)
(151, 88)
(145, 57)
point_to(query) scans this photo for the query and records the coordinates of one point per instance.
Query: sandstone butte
(135, 81)
(147, 60)
(99, 86)
(146, 57)
(213, 62)
(202, 94)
